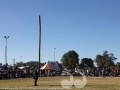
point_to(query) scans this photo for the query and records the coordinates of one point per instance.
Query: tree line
(71, 59)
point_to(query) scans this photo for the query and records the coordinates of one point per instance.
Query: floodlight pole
(6, 37)
(39, 44)
(13, 64)
(54, 54)
(20, 58)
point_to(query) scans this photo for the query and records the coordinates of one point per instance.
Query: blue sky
(87, 26)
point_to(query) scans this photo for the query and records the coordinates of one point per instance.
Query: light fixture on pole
(54, 54)
(6, 37)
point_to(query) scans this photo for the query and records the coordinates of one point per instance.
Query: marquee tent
(50, 65)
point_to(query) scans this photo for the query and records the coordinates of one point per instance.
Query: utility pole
(20, 58)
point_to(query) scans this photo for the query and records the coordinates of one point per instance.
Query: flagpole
(39, 43)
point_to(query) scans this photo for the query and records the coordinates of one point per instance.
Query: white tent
(21, 67)
(50, 65)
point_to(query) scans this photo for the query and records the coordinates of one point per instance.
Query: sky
(88, 27)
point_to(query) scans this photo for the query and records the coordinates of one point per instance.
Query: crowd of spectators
(7, 74)
(97, 72)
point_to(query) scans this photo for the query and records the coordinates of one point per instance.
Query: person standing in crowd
(103, 72)
(35, 76)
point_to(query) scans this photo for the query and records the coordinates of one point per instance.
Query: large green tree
(118, 65)
(105, 60)
(71, 59)
(87, 62)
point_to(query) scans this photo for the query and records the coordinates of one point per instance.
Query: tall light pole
(106, 63)
(13, 64)
(51, 58)
(54, 54)
(13, 67)
(20, 58)
(107, 56)
(6, 37)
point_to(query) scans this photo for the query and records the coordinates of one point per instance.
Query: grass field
(54, 83)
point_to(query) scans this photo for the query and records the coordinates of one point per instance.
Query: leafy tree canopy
(105, 60)
(71, 59)
(87, 62)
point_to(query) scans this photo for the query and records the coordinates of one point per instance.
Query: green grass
(54, 83)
